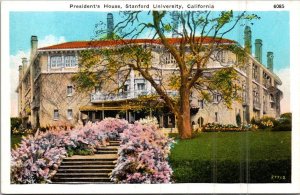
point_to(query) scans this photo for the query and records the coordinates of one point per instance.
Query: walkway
(88, 169)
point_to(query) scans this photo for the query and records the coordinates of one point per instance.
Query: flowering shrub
(220, 127)
(265, 122)
(249, 127)
(149, 120)
(37, 158)
(143, 156)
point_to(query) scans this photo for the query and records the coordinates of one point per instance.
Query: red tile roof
(104, 43)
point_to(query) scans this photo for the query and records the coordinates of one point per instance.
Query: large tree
(199, 41)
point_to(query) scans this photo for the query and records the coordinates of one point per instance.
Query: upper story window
(70, 61)
(141, 86)
(125, 88)
(169, 59)
(216, 98)
(56, 61)
(255, 73)
(201, 104)
(255, 95)
(69, 90)
(59, 61)
(221, 56)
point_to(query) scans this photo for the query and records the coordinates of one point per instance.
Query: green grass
(15, 139)
(235, 146)
(253, 156)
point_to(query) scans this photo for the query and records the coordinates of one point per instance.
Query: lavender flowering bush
(143, 156)
(37, 158)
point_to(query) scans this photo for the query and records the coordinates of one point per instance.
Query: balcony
(100, 97)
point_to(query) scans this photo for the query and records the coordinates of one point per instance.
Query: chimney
(248, 39)
(270, 57)
(110, 25)
(258, 50)
(175, 21)
(20, 72)
(34, 45)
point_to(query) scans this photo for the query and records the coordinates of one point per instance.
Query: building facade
(48, 96)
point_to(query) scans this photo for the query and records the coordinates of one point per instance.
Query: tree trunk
(184, 117)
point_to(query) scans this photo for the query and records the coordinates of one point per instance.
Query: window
(244, 92)
(201, 104)
(216, 117)
(70, 114)
(125, 88)
(141, 86)
(216, 98)
(221, 56)
(255, 72)
(55, 61)
(70, 61)
(55, 114)
(169, 59)
(69, 90)
(97, 89)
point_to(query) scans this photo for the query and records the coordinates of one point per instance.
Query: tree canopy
(186, 42)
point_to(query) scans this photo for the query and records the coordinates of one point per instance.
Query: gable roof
(105, 43)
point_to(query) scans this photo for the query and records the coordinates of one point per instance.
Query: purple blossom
(143, 155)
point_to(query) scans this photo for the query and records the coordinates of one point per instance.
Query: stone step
(85, 170)
(88, 162)
(106, 152)
(89, 159)
(114, 144)
(115, 141)
(81, 179)
(108, 149)
(87, 167)
(90, 175)
(82, 183)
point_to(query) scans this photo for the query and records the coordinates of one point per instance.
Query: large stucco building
(47, 95)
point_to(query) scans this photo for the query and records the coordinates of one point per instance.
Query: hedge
(260, 171)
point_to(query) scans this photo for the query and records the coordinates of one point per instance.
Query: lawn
(233, 157)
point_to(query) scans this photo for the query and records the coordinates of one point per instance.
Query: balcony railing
(100, 97)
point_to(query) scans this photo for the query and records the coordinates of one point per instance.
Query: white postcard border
(6, 7)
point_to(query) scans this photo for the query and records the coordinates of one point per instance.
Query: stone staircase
(88, 169)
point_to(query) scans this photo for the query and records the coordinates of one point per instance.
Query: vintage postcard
(150, 97)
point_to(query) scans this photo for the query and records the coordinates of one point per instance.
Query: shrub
(287, 115)
(212, 127)
(265, 122)
(143, 156)
(15, 123)
(37, 158)
(283, 127)
(226, 171)
(149, 121)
